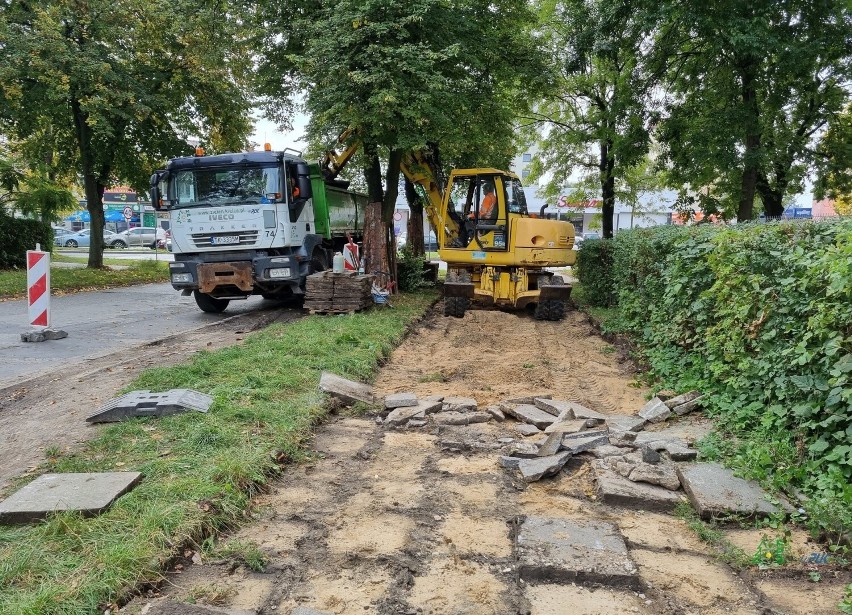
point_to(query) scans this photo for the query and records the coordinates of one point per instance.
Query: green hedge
(759, 317)
(594, 270)
(20, 235)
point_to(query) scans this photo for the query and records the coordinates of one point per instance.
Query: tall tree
(834, 161)
(404, 74)
(750, 84)
(595, 117)
(123, 85)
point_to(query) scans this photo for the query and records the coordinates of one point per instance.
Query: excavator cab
(478, 205)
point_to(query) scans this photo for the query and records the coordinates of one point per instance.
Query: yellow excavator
(496, 251)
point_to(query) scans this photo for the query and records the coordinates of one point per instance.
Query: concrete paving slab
(400, 400)
(715, 491)
(625, 423)
(679, 400)
(88, 493)
(618, 491)
(580, 445)
(655, 411)
(462, 418)
(529, 399)
(551, 445)
(535, 469)
(526, 429)
(581, 412)
(528, 413)
(459, 404)
(347, 390)
(552, 550)
(566, 427)
(400, 416)
(556, 407)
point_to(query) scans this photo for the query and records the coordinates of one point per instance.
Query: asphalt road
(100, 323)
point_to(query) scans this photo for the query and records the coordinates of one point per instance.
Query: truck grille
(205, 240)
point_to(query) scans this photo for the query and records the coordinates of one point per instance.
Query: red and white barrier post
(38, 286)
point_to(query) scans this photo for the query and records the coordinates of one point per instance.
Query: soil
(423, 521)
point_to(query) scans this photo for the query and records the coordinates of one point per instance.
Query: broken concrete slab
(580, 445)
(416, 423)
(462, 418)
(527, 430)
(43, 335)
(458, 404)
(618, 491)
(402, 415)
(527, 450)
(347, 390)
(686, 408)
(574, 551)
(528, 399)
(528, 413)
(509, 462)
(650, 455)
(535, 469)
(678, 400)
(680, 453)
(607, 450)
(400, 400)
(715, 491)
(655, 411)
(566, 427)
(623, 438)
(661, 474)
(625, 423)
(434, 398)
(496, 413)
(586, 434)
(556, 407)
(581, 412)
(87, 493)
(551, 445)
(145, 403)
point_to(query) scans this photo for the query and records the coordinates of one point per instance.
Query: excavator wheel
(456, 306)
(551, 309)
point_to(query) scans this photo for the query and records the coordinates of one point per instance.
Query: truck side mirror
(156, 194)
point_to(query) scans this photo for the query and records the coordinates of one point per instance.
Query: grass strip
(13, 283)
(200, 469)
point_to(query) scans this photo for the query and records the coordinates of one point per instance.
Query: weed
(245, 553)
(608, 349)
(215, 595)
(528, 365)
(432, 377)
(771, 551)
(713, 536)
(815, 577)
(845, 605)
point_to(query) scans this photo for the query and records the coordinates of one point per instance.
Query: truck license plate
(227, 239)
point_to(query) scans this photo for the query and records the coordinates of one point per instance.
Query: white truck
(252, 223)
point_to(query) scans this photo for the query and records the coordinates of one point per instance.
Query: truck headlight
(279, 272)
(181, 278)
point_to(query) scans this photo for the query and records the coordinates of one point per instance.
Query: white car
(139, 237)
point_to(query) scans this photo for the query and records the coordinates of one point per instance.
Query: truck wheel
(456, 306)
(209, 304)
(551, 309)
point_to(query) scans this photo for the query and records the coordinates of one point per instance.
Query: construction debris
(347, 390)
(146, 403)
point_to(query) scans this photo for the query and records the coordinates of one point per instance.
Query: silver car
(139, 237)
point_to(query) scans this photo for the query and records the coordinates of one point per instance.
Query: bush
(410, 270)
(759, 317)
(594, 270)
(20, 235)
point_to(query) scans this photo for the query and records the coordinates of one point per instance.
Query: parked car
(81, 239)
(139, 237)
(58, 233)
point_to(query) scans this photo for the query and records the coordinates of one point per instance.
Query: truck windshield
(225, 186)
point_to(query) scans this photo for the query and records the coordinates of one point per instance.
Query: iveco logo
(214, 217)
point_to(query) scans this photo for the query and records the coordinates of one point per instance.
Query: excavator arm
(417, 166)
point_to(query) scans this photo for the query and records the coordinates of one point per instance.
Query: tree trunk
(773, 198)
(389, 209)
(92, 185)
(375, 235)
(751, 156)
(415, 219)
(606, 165)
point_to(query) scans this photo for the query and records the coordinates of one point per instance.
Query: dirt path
(49, 411)
(425, 521)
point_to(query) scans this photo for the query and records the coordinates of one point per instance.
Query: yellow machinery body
(496, 251)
